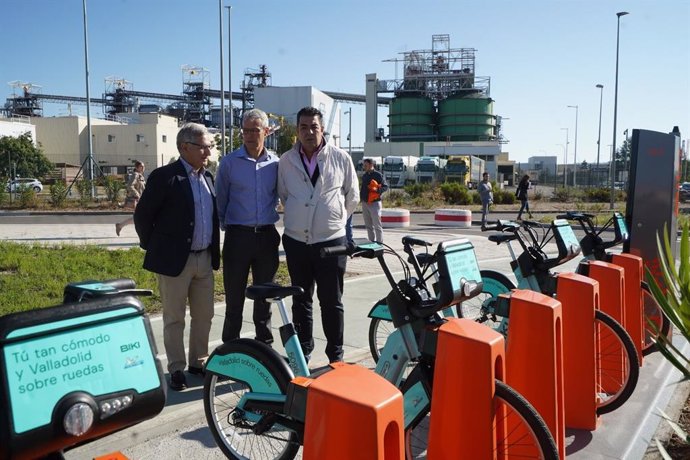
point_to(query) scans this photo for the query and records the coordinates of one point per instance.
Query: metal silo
(466, 119)
(411, 118)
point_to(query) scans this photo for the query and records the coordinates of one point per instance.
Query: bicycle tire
(615, 347)
(230, 429)
(653, 312)
(528, 436)
(494, 283)
(379, 330)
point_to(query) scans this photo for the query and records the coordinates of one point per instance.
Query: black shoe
(178, 382)
(196, 370)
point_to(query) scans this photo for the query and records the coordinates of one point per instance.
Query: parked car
(684, 192)
(17, 184)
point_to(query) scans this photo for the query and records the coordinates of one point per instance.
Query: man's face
(486, 178)
(368, 166)
(253, 135)
(196, 153)
(310, 132)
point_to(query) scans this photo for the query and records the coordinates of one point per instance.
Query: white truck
(430, 170)
(399, 171)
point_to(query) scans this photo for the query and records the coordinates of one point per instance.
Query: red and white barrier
(453, 217)
(395, 218)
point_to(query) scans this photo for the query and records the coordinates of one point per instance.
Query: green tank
(411, 119)
(466, 119)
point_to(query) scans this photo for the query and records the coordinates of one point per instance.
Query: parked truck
(465, 169)
(399, 171)
(430, 170)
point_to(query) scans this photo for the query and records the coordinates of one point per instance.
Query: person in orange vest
(373, 186)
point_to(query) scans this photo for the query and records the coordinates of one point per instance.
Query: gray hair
(190, 132)
(256, 114)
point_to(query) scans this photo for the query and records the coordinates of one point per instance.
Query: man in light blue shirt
(247, 196)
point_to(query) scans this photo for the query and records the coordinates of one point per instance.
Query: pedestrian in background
(373, 186)
(247, 194)
(486, 194)
(177, 224)
(135, 187)
(317, 185)
(521, 194)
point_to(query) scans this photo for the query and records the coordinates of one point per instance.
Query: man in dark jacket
(373, 186)
(177, 223)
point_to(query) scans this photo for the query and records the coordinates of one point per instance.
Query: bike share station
(73, 373)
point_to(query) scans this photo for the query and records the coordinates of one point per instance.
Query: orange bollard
(634, 310)
(348, 404)
(579, 297)
(611, 280)
(534, 357)
(117, 455)
(462, 409)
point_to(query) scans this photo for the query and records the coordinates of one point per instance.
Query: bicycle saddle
(425, 259)
(272, 291)
(499, 238)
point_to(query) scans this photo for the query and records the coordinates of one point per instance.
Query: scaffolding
(436, 73)
(195, 87)
(253, 79)
(24, 100)
(118, 96)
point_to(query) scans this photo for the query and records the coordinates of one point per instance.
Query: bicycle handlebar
(412, 241)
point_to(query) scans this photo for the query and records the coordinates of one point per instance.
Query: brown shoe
(178, 381)
(118, 228)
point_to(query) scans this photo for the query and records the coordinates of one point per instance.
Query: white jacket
(314, 214)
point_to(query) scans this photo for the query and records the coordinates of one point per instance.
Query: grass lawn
(33, 276)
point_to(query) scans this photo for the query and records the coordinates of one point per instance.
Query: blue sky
(541, 55)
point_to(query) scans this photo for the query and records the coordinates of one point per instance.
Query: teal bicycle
(532, 269)
(252, 412)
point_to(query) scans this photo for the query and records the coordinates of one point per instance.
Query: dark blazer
(164, 220)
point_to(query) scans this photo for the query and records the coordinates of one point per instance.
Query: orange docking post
(534, 357)
(579, 297)
(351, 412)
(634, 310)
(470, 358)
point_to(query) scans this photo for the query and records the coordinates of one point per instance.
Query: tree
(236, 141)
(287, 136)
(27, 159)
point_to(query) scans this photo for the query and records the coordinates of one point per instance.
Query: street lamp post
(565, 163)
(222, 79)
(575, 154)
(349, 131)
(231, 122)
(601, 98)
(615, 108)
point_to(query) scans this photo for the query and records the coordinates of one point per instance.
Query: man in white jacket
(318, 187)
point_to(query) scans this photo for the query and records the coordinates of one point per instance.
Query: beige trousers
(196, 284)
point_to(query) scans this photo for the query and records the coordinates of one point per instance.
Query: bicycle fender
(380, 311)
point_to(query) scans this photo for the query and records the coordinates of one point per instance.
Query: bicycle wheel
(653, 312)
(520, 430)
(234, 428)
(480, 308)
(618, 366)
(379, 330)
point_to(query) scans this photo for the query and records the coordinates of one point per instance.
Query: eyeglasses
(201, 146)
(251, 130)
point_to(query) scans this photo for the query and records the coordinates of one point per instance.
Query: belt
(199, 251)
(253, 228)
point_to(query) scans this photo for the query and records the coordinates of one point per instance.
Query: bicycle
(594, 248)
(246, 388)
(532, 269)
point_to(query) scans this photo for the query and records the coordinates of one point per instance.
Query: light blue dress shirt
(203, 207)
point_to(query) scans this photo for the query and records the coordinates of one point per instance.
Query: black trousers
(306, 268)
(243, 250)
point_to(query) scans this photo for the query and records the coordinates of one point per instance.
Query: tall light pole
(615, 108)
(601, 98)
(222, 79)
(565, 163)
(349, 130)
(88, 102)
(230, 134)
(575, 157)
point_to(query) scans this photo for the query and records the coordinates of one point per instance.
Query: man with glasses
(177, 224)
(247, 200)
(317, 185)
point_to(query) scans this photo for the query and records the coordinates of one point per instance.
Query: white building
(16, 126)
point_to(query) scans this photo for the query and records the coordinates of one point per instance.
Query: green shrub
(58, 194)
(417, 190)
(113, 187)
(84, 189)
(561, 195)
(476, 198)
(454, 193)
(504, 197)
(393, 199)
(537, 196)
(598, 195)
(27, 197)
(4, 195)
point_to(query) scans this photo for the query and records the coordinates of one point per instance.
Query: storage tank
(466, 119)
(411, 118)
